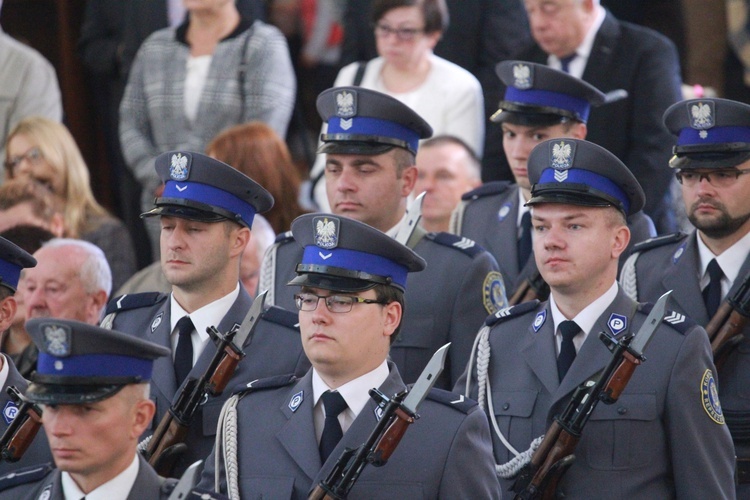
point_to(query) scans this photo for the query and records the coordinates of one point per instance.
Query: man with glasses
(290, 432)
(711, 157)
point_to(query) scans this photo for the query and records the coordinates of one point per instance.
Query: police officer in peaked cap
(370, 145)
(349, 289)
(665, 437)
(539, 103)
(206, 211)
(708, 265)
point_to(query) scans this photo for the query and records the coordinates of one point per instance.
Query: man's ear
(8, 307)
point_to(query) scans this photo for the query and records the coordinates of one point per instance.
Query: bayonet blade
(186, 483)
(426, 379)
(247, 328)
(413, 215)
(643, 337)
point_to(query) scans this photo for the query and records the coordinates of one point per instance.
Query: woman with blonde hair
(257, 151)
(43, 150)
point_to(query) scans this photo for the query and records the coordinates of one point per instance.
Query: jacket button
(622, 410)
(506, 406)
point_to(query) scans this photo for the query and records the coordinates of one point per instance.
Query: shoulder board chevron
(281, 316)
(486, 189)
(465, 245)
(265, 384)
(511, 311)
(134, 301)
(658, 242)
(455, 401)
(676, 320)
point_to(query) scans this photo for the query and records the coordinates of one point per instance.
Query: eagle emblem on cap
(522, 76)
(701, 115)
(57, 340)
(326, 232)
(561, 156)
(178, 167)
(346, 104)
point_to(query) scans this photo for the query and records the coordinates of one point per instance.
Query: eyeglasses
(334, 303)
(34, 155)
(403, 34)
(718, 178)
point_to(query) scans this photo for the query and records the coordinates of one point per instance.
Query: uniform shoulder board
(465, 245)
(658, 242)
(456, 401)
(284, 237)
(676, 320)
(134, 301)
(262, 384)
(24, 476)
(282, 316)
(486, 189)
(511, 311)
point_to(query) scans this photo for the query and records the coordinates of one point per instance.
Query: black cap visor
(338, 279)
(360, 144)
(708, 159)
(585, 196)
(192, 210)
(69, 394)
(522, 114)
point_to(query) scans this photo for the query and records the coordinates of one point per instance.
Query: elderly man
(710, 264)
(290, 432)
(665, 437)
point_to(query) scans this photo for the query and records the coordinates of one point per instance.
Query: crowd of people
(515, 182)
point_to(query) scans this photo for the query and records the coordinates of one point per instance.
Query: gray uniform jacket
(48, 485)
(672, 263)
(446, 453)
(657, 441)
(276, 348)
(38, 452)
(447, 302)
(489, 216)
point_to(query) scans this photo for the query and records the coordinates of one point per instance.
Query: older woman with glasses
(44, 151)
(447, 96)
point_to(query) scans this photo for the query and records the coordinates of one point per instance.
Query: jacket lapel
(163, 375)
(298, 435)
(600, 57)
(684, 281)
(540, 353)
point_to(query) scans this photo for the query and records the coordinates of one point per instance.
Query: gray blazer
(275, 349)
(656, 441)
(444, 454)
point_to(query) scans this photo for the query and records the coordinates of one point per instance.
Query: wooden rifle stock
(22, 430)
(532, 288)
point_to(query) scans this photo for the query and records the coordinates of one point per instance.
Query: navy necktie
(524, 242)
(565, 62)
(712, 293)
(183, 356)
(334, 404)
(568, 329)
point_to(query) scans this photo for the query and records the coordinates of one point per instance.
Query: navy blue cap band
(715, 135)
(356, 261)
(588, 178)
(535, 97)
(210, 195)
(95, 365)
(364, 125)
(9, 273)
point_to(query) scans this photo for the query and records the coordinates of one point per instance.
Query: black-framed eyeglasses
(717, 178)
(34, 155)
(334, 303)
(404, 34)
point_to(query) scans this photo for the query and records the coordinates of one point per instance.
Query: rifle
(726, 327)
(398, 413)
(22, 430)
(168, 441)
(539, 478)
(533, 287)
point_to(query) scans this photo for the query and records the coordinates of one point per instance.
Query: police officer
(350, 293)
(370, 149)
(206, 212)
(12, 260)
(540, 103)
(665, 437)
(711, 159)
(92, 385)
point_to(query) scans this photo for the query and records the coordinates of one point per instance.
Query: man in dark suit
(710, 264)
(12, 260)
(665, 437)
(370, 152)
(580, 37)
(287, 436)
(206, 212)
(480, 34)
(540, 103)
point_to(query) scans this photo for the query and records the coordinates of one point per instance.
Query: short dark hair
(435, 12)
(388, 294)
